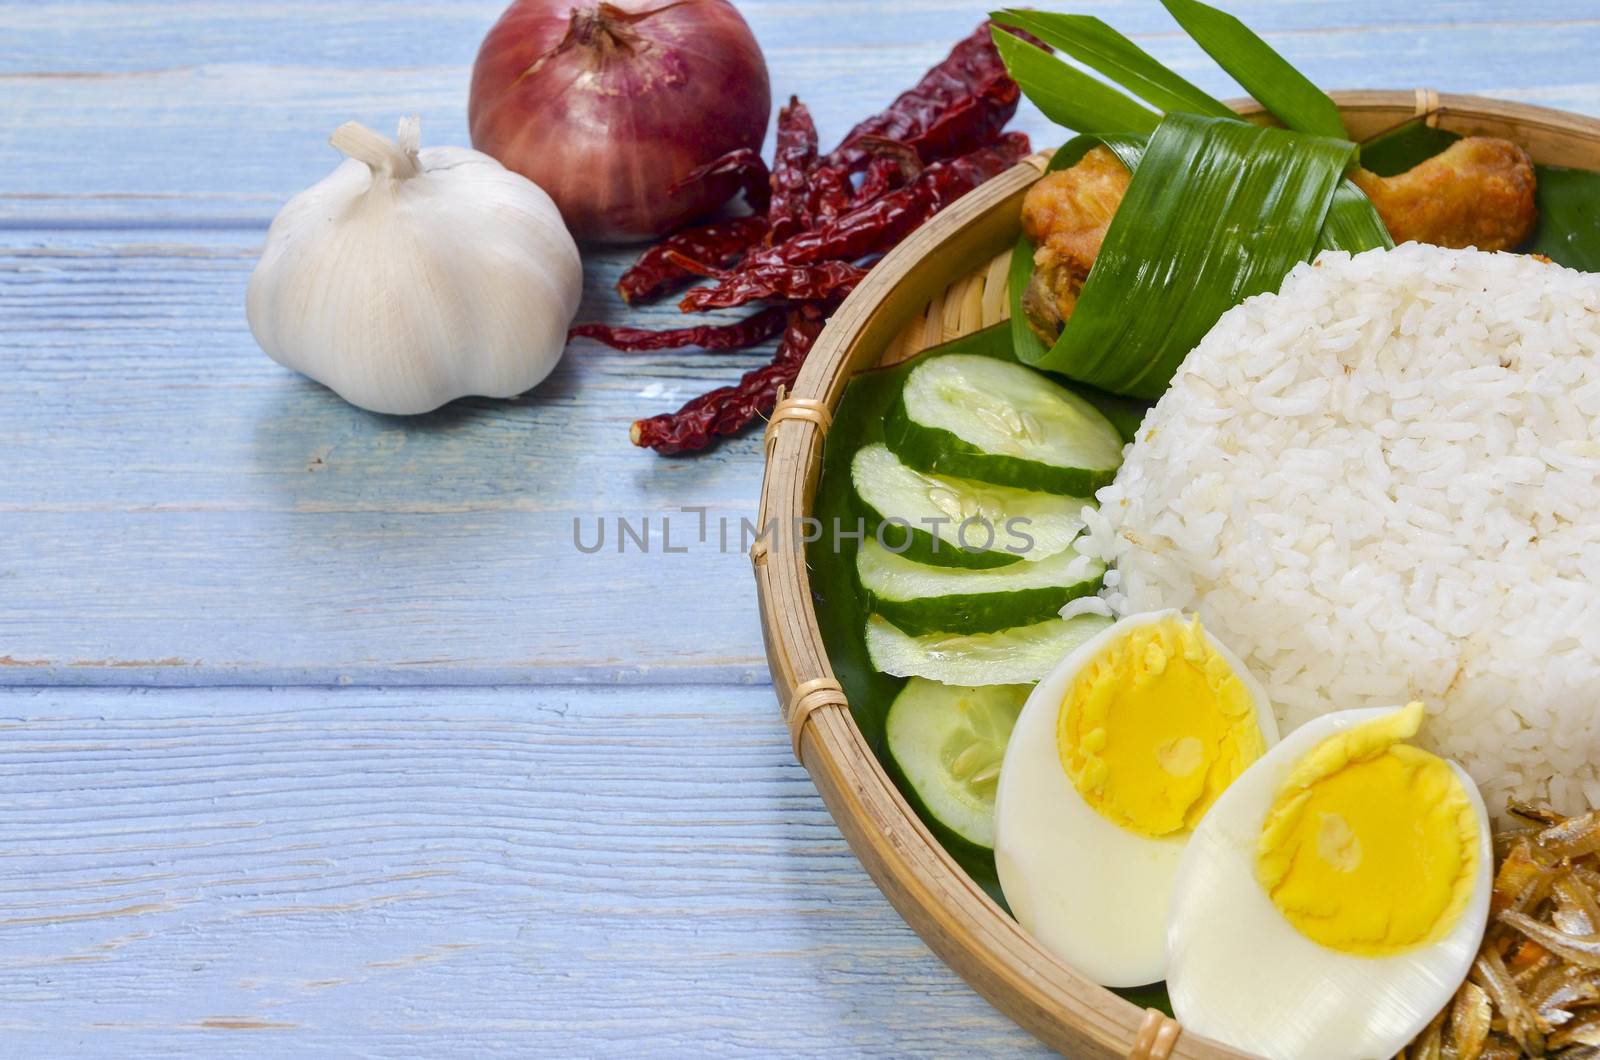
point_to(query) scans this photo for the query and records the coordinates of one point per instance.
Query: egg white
(1240, 973)
(1093, 893)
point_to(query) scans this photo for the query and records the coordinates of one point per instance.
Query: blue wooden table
(318, 736)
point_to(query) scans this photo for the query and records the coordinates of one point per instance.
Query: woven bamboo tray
(947, 280)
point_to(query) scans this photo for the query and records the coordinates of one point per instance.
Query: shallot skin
(608, 106)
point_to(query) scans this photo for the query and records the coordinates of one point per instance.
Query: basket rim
(948, 910)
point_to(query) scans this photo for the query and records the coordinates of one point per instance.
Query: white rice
(1383, 483)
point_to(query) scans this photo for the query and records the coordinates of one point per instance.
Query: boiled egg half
(1334, 897)
(1117, 755)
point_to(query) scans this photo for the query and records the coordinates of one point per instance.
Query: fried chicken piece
(1066, 214)
(1478, 192)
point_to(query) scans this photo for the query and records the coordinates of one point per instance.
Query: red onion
(608, 106)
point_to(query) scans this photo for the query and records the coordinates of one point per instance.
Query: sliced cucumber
(951, 522)
(1007, 657)
(946, 742)
(920, 598)
(982, 418)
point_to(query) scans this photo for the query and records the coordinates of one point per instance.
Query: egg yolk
(1155, 727)
(1371, 845)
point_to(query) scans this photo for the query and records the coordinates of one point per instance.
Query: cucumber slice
(982, 418)
(1008, 657)
(948, 521)
(946, 743)
(920, 598)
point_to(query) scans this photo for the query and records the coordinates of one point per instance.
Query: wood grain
(578, 830)
(160, 468)
(442, 872)
(250, 92)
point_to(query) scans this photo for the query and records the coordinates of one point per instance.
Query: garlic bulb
(409, 278)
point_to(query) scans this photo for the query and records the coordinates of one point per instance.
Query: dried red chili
(969, 123)
(973, 63)
(903, 155)
(741, 170)
(883, 175)
(717, 246)
(730, 409)
(795, 283)
(829, 194)
(933, 144)
(792, 160)
(882, 223)
(758, 327)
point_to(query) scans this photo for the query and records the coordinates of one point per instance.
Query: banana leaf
(1217, 210)
(831, 559)
(1569, 217)
(1402, 147)
(1568, 199)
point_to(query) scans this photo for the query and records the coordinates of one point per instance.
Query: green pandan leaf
(1286, 93)
(1352, 223)
(1068, 96)
(1101, 48)
(1217, 210)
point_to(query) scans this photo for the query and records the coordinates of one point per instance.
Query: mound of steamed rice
(1383, 483)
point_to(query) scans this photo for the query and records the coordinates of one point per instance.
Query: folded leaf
(1352, 223)
(1099, 47)
(1217, 211)
(1068, 96)
(1029, 347)
(1286, 93)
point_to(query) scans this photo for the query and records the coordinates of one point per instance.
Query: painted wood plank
(443, 872)
(250, 95)
(179, 509)
(452, 871)
(128, 35)
(266, 503)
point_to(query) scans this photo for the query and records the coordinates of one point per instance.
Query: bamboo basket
(945, 281)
